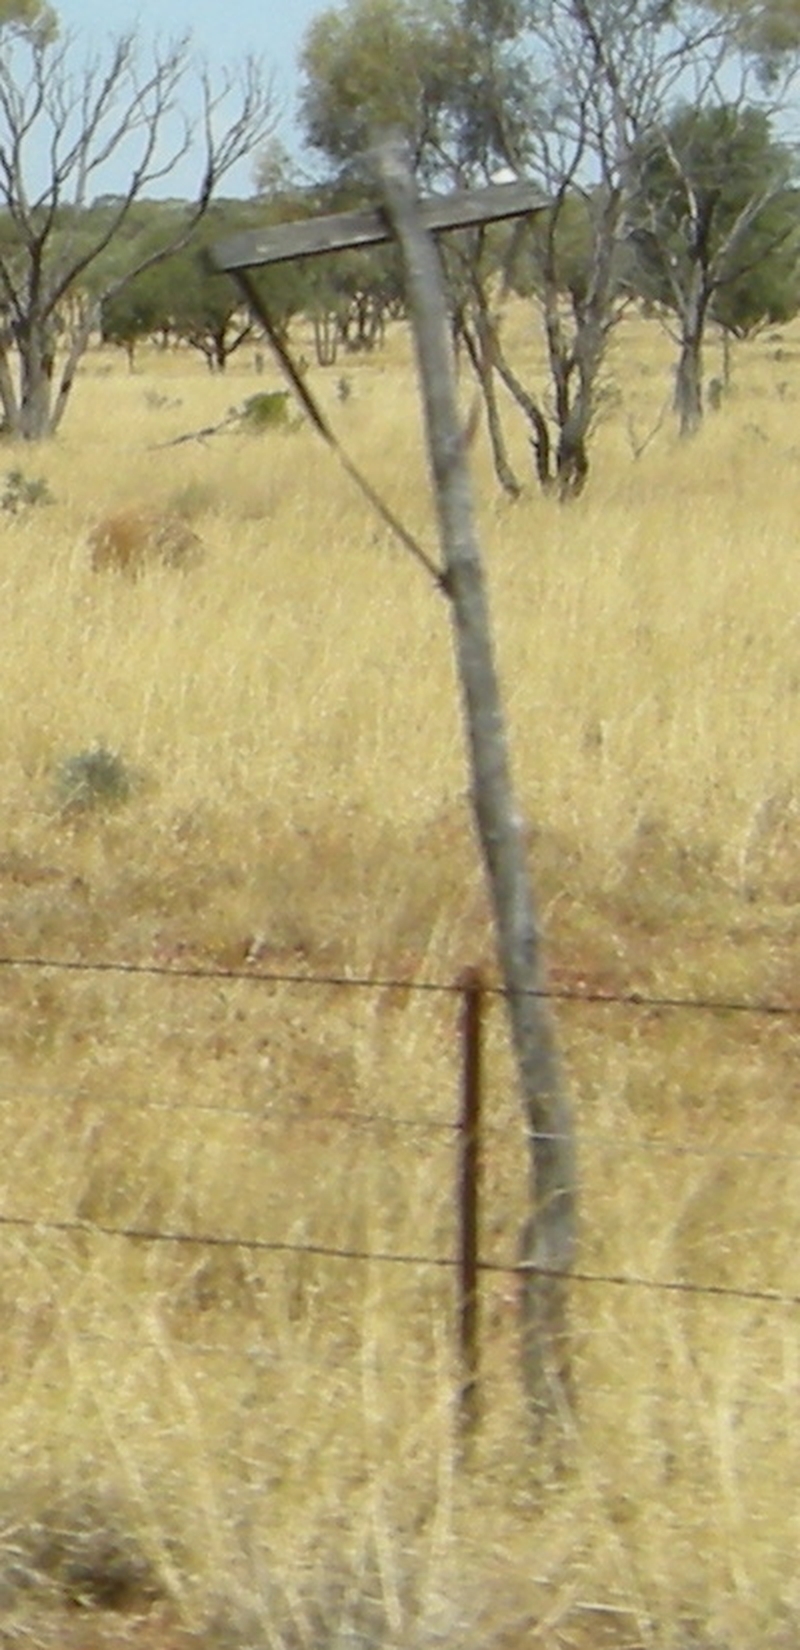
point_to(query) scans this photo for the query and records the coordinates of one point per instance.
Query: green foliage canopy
(183, 296)
(371, 65)
(446, 73)
(715, 195)
(35, 17)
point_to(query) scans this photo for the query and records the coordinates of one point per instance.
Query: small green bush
(22, 492)
(94, 778)
(269, 410)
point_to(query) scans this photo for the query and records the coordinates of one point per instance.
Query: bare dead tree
(548, 1239)
(120, 107)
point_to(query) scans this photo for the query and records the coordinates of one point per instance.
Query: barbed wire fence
(468, 1132)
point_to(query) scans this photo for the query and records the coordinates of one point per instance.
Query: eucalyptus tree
(446, 76)
(373, 65)
(717, 231)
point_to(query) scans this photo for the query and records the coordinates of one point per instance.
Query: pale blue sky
(272, 28)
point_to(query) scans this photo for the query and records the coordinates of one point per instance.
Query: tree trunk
(32, 407)
(8, 393)
(689, 372)
(689, 386)
(326, 338)
(548, 1238)
(572, 406)
(577, 408)
(35, 411)
(36, 362)
(572, 464)
(480, 351)
(78, 347)
(540, 438)
(591, 314)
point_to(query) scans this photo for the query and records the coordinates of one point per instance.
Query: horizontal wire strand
(324, 1251)
(624, 999)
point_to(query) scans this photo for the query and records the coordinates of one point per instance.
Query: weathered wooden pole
(548, 1237)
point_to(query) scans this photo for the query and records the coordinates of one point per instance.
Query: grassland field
(237, 1448)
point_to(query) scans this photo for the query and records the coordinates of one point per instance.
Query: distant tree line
(658, 130)
(181, 299)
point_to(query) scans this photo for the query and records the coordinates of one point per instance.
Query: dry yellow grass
(270, 1436)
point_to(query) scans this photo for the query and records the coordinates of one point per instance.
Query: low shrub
(23, 492)
(268, 410)
(92, 779)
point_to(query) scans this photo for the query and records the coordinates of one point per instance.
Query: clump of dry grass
(130, 539)
(279, 1425)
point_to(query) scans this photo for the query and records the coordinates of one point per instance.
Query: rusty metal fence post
(470, 985)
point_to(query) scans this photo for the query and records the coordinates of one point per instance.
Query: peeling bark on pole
(548, 1238)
